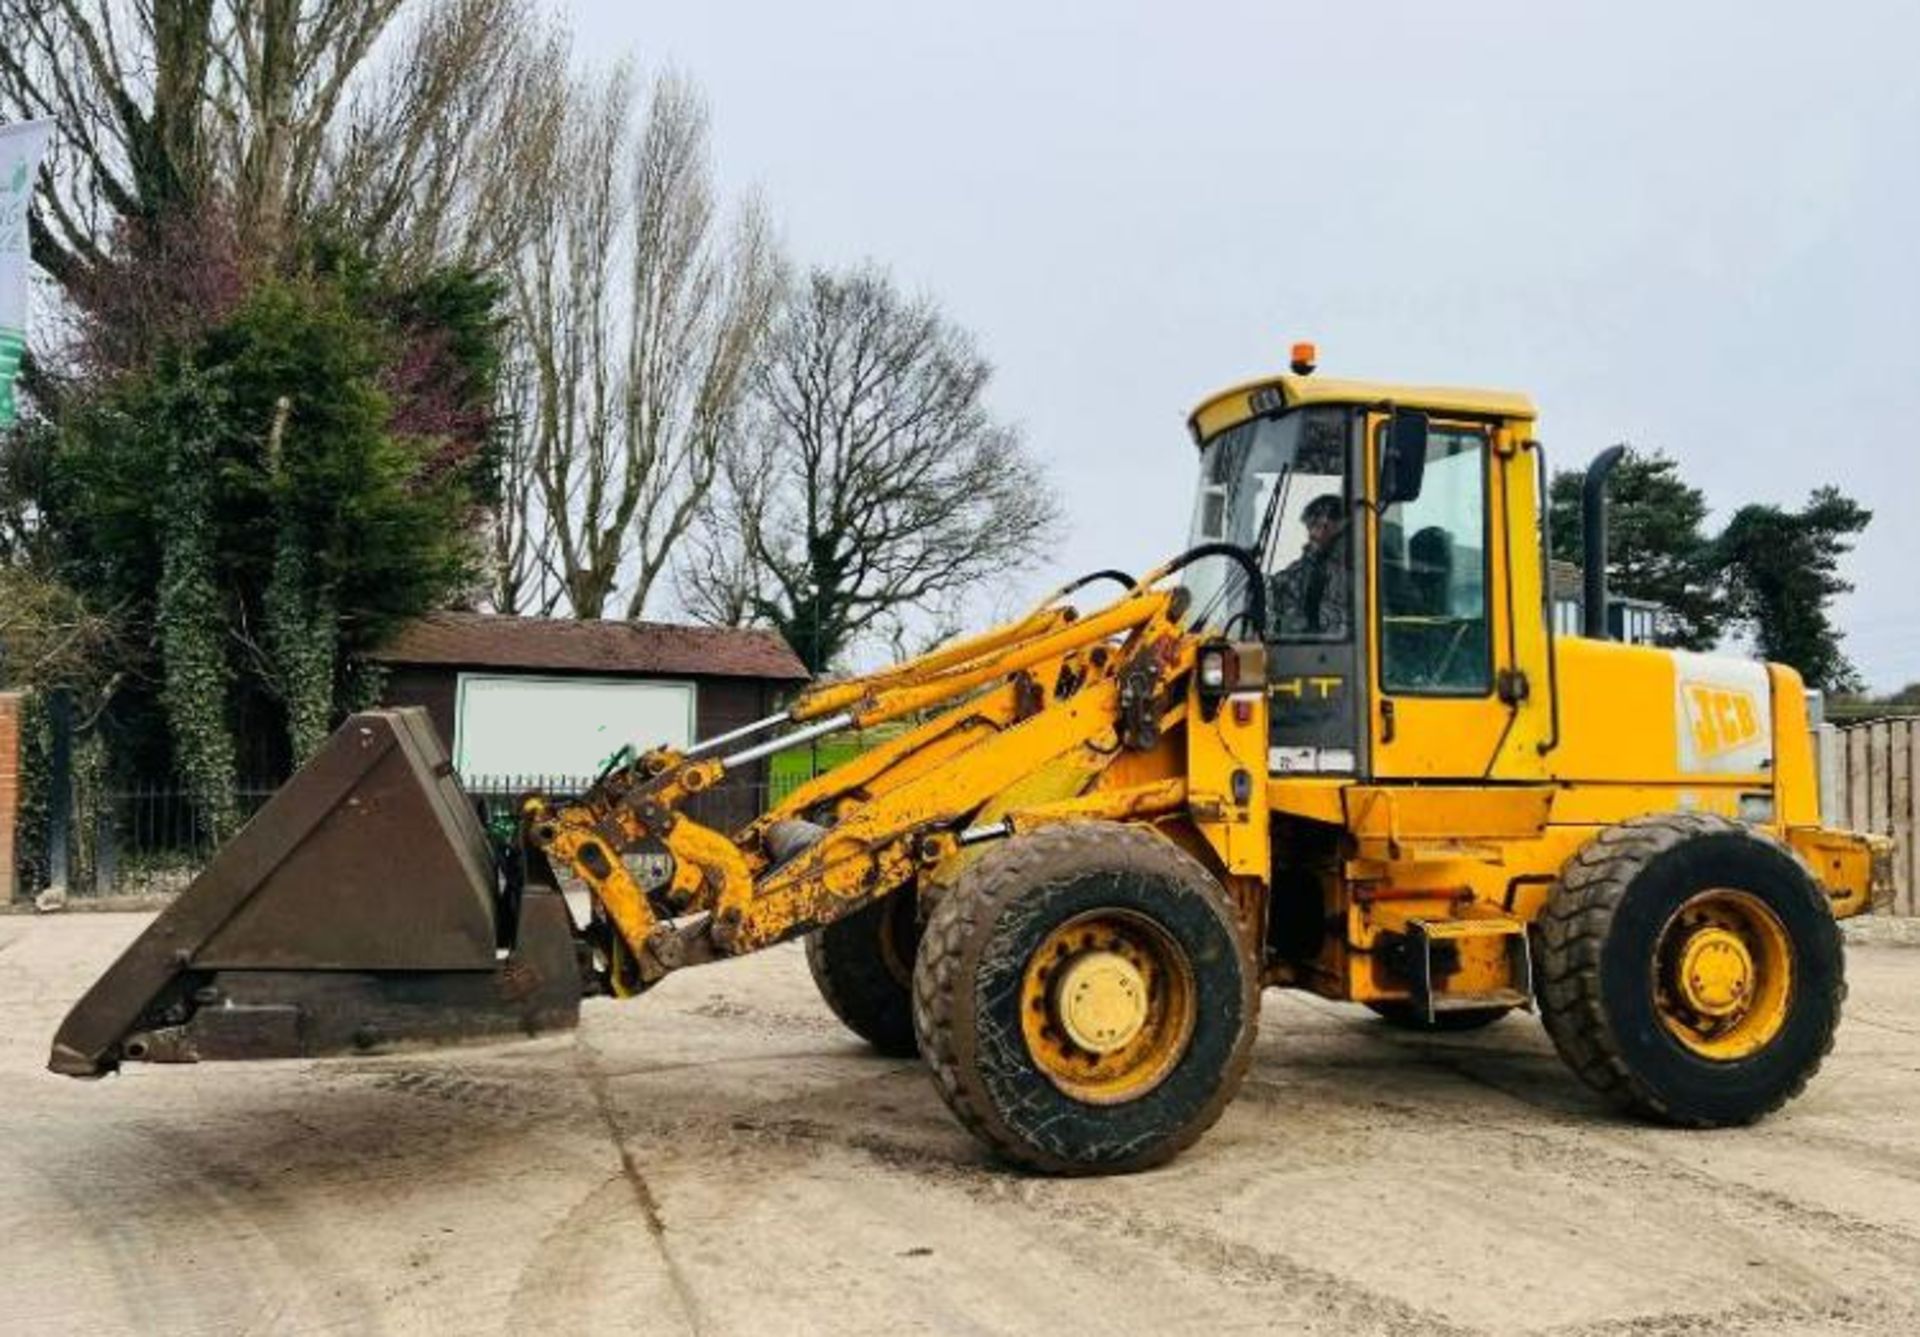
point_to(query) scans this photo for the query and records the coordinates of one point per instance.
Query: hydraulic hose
(1120, 578)
(1256, 587)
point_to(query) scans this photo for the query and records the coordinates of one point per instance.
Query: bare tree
(720, 581)
(437, 138)
(519, 541)
(640, 314)
(273, 109)
(206, 135)
(878, 481)
(50, 637)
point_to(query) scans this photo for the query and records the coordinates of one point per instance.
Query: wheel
(1084, 999)
(1689, 970)
(863, 967)
(1409, 1018)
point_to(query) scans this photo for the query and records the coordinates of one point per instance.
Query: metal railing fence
(134, 839)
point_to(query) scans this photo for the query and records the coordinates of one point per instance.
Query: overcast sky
(1689, 226)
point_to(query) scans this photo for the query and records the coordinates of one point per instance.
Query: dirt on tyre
(1084, 998)
(863, 967)
(1689, 969)
(1407, 1017)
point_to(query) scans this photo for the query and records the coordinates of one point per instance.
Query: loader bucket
(359, 911)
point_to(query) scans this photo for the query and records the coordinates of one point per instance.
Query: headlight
(1213, 668)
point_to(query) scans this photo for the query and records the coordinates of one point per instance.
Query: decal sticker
(1722, 715)
(1310, 760)
(1309, 687)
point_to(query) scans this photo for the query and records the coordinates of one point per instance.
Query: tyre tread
(959, 916)
(1572, 935)
(856, 985)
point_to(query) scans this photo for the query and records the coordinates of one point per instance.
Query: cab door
(1457, 656)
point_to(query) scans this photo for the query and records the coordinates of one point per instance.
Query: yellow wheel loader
(1337, 744)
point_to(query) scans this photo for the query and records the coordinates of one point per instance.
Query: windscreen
(1268, 482)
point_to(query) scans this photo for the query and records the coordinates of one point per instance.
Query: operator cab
(1371, 510)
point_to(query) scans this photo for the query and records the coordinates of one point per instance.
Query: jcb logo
(1722, 718)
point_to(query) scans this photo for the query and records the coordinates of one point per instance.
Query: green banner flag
(21, 147)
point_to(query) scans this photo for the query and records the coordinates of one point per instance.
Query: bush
(264, 504)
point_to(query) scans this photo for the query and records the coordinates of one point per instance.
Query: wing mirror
(1403, 457)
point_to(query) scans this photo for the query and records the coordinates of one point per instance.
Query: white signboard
(21, 147)
(520, 726)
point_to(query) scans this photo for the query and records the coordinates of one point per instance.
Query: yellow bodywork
(1238, 403)
(1446, 847)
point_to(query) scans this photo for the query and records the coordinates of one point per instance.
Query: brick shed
(518, 696)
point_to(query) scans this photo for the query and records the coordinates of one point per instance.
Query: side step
(1487, 953)
(358, 911)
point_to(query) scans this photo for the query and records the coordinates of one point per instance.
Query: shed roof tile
(489, 640)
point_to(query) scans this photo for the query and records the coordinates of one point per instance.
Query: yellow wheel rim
(1723, 981)
(1107, 1006)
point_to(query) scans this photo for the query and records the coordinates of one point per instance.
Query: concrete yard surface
(720, 1156)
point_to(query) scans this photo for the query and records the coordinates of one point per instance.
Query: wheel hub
(1725, 981)
(1107, 1005)
(1101, 1001)
(1715, 972)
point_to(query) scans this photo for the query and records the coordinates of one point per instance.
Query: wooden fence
(1870, 781)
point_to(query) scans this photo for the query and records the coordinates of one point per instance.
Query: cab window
(1280, 483)
(1435, 637)
(1309, 557)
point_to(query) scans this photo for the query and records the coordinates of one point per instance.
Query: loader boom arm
(365, 907)
(1052, 689)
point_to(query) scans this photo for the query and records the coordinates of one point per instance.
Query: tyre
(1410, 1018)
(1084, 998)
(1689, 970)
(863, 967)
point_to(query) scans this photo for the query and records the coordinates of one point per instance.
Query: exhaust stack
(1593, 542)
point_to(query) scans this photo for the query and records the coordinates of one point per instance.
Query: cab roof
(1231, 407)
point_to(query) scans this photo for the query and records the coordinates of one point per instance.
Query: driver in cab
(1313, 595)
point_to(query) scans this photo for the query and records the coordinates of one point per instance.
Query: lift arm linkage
(1051, 689)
